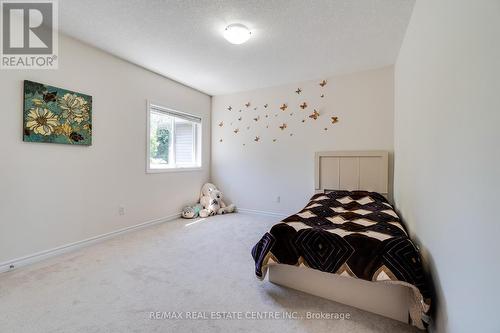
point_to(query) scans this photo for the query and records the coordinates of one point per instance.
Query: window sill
(180, 169)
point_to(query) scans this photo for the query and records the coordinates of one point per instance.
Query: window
(174, 140)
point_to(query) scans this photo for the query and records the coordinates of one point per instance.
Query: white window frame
(197, 139)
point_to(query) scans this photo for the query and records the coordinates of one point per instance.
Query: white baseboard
(35, 257)
(260, 212)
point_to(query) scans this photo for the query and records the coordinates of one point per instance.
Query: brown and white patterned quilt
(351, 233)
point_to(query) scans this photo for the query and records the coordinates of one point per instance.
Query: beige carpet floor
(172, 267)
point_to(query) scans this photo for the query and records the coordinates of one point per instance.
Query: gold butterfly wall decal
(221, 124)
(265, 106)
(323, 83)
(257, 138)
(283, 107)
(230, 108)
(314, 115)
(282, 127)
(236, 130)
(239, 119)
(247, 104)
(303, 105)
(257, 118)
(298, 91)
(335, 120)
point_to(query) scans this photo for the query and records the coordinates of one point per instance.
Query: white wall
(252, 176)
(52, 194)
(447, 155)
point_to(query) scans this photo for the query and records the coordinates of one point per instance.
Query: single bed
(351, 230)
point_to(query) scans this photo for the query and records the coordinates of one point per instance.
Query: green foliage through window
(161, 145)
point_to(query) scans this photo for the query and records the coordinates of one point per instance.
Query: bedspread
(355, 234)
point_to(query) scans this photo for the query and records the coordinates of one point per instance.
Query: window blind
(175, 114)
(184, 142)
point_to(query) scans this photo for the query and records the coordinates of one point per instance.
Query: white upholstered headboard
(352, 170)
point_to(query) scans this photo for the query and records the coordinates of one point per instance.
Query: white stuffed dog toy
(211, 200)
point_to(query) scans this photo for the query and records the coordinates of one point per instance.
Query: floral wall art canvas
(55, 115)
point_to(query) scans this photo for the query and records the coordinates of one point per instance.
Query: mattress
(355, 234)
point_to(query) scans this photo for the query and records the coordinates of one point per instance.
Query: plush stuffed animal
(191, 212)
(211, 200)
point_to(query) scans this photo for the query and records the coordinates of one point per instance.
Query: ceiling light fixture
(237, 33)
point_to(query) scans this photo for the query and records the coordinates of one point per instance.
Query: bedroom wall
(447, 160)
(52, 194)
(253, 174)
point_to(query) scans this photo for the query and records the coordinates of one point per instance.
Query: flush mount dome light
(237, 33)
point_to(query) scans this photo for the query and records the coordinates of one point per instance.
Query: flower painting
(56, 115)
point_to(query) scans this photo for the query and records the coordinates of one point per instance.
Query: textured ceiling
(293, 40)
